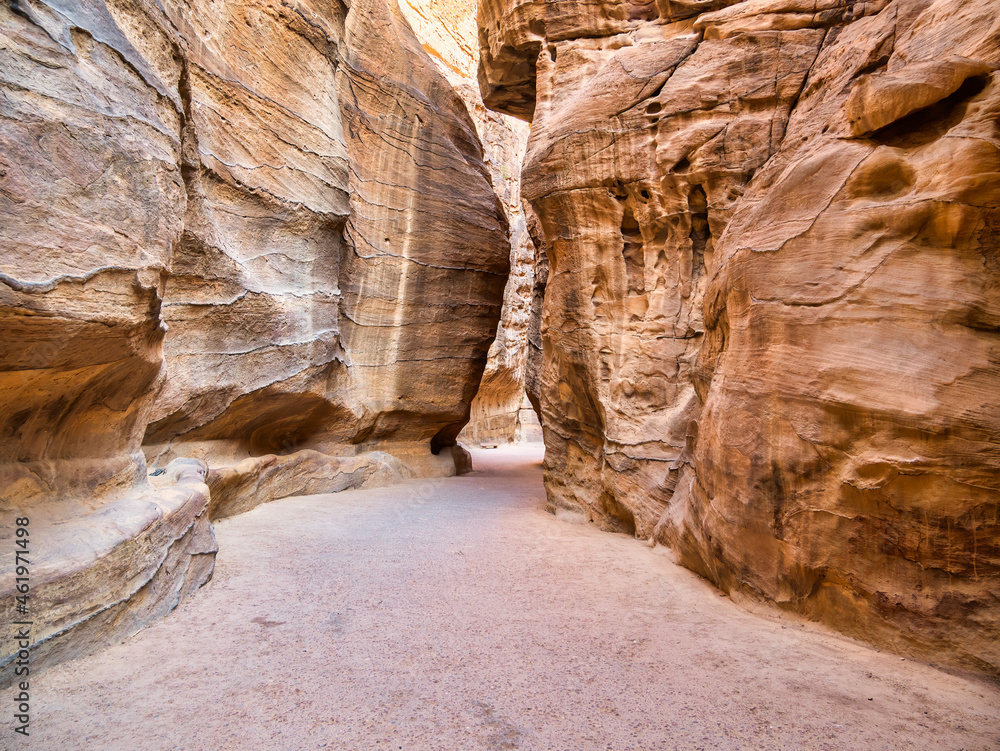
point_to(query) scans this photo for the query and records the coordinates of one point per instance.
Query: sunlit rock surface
(769, 330)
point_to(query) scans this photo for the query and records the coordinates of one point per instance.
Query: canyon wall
(249, 251)
(448, 32)
(769, 329)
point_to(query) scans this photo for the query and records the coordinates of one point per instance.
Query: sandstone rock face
(92, 199)
(533, 371)
(337, 285)
(447, 29)
(99, 576)
(769, 336)
(418, 344)
(255, 245)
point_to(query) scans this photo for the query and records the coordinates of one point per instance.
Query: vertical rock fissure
(633, 253)
(701, 233)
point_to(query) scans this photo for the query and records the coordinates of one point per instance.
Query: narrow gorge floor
(457, 614)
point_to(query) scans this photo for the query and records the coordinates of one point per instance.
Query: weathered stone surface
(98, 577)
(261, 236)
(768, 337)
(423, 286)
(851, 414)
(239, 488)
(91, 198)
(341, 301)
(533, 370)
(447, 30)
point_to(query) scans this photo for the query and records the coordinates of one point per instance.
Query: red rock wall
(769, 338)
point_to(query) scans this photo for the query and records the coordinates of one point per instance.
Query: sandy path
(457, 614)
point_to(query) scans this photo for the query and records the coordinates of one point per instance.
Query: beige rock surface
(99, 576)
(769, 333)
(351, 299)
(420, 308)
(259, 237)
(447, 29)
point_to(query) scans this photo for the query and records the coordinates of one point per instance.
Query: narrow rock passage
(457, 614)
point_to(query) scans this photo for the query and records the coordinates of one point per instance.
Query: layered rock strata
(97, 576)
(339, 285)
(447, 30)
(258, 243)
(768, 337)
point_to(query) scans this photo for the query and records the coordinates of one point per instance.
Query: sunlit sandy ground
(457, 614)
